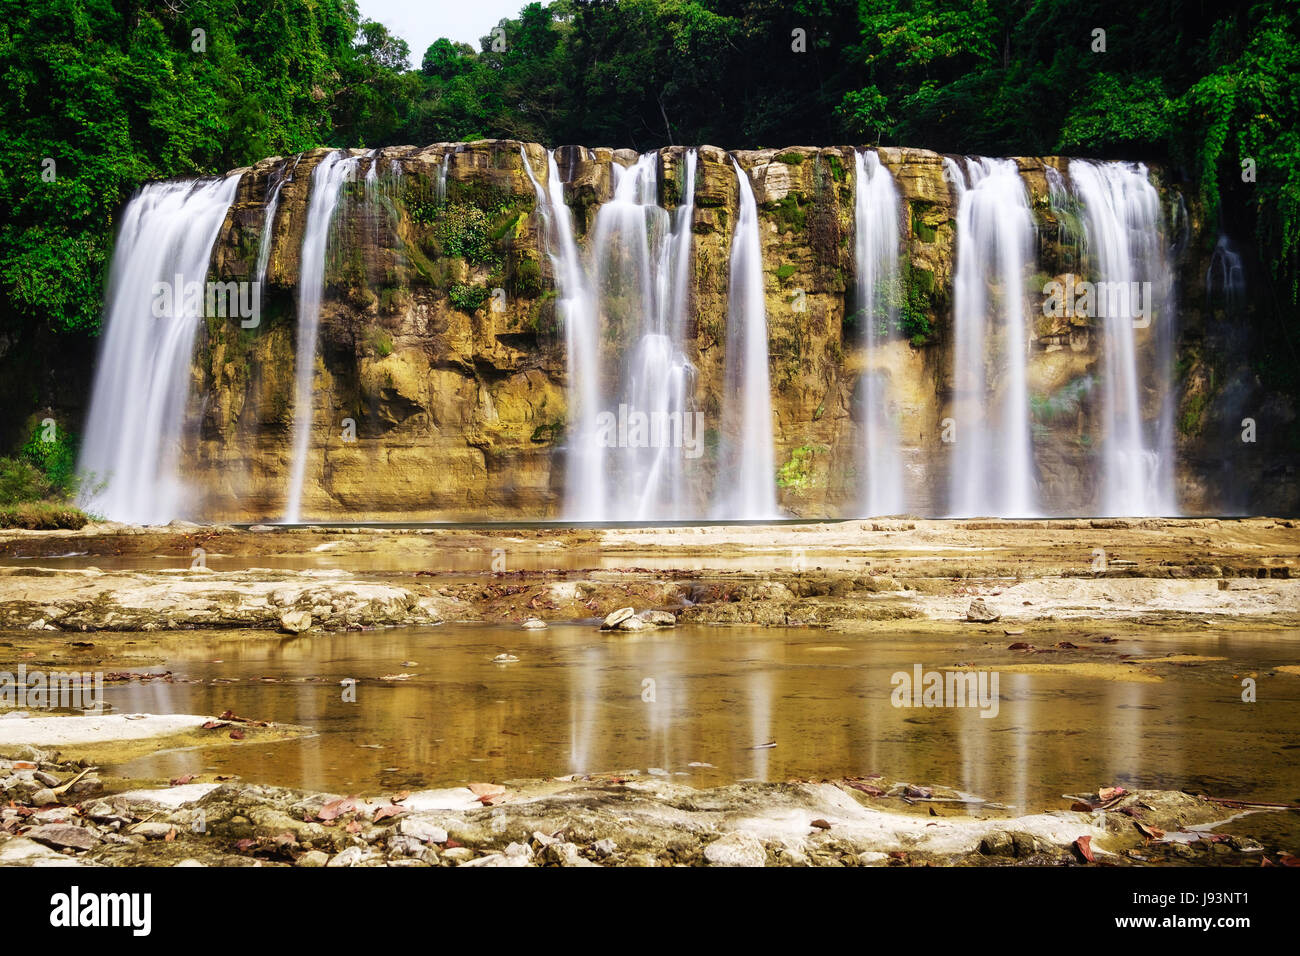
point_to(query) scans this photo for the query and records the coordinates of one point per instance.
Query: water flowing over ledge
(665, 336)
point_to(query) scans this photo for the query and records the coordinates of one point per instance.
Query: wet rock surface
(628, 819)
(958, 573)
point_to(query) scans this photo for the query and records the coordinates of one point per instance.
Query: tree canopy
(116, 92)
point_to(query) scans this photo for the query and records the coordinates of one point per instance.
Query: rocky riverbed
(59, 812)
(1001, 586)
(946, 573)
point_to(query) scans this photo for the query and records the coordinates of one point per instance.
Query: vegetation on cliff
(104, 95)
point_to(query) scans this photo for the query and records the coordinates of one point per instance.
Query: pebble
(349, 857)
(736, 849)
(61, 835)
(421, 830)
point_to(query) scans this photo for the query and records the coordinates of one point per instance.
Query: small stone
(534, 624)
(658, 618)
(295, 622)
(190, 861)
(736, 849)
(519, 849)
(542, 839)
(61, 835)
(152, 830)
(46, 778)
(349, 857)
(605, 848)
(421, 830)
(313, 858)
(980, 613)
(37, 625)
(44, 797)
(565, 854)
(499, 859)
(615, 618)
(458, 854)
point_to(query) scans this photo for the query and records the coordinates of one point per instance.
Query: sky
(420, 22)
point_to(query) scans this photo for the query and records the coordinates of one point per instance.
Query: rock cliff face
(441, 376)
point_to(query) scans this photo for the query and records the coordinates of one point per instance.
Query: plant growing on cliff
(464, 233)
(468, 298)
(796, 473)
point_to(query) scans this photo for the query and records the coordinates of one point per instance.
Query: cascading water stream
(1123, 249)
(326, 181)
(747, 462)
(992, 470)
(876, 238)
(584, 484)
(640, 269)
(137, 408)
(268, 224)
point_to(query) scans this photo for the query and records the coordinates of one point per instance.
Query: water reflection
(582, 701)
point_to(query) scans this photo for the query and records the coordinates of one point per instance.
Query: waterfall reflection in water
(578, 702)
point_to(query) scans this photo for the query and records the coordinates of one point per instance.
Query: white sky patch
(419, 24)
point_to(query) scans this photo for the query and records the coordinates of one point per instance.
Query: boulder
(295, 621)
(980, 613)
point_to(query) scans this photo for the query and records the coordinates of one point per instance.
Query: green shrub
(468, 298)
(53, 449)
(464, 233)
(21, 481)
(42, 516)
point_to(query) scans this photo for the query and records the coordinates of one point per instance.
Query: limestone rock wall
(456, 396)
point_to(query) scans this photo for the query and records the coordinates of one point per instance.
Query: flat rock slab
(103, 728)
(21, 851)
(172, 797)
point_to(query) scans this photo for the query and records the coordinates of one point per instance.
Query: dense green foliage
(116, 92)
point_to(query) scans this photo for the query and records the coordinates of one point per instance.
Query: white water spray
(746, 482)
(326, 181)
(876, 238)
(133, 432)
(992, 461)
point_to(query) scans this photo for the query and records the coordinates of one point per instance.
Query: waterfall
(1123, 249)
(746, 467)
(876, 239)
(268, 223)
(584, 478)
(641, 268)
(133, 431)
(1225, 279)
(992, 471)
(326, 181)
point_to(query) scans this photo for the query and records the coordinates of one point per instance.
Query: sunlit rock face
(443, 385)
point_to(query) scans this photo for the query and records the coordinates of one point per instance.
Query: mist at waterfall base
(624, 305)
